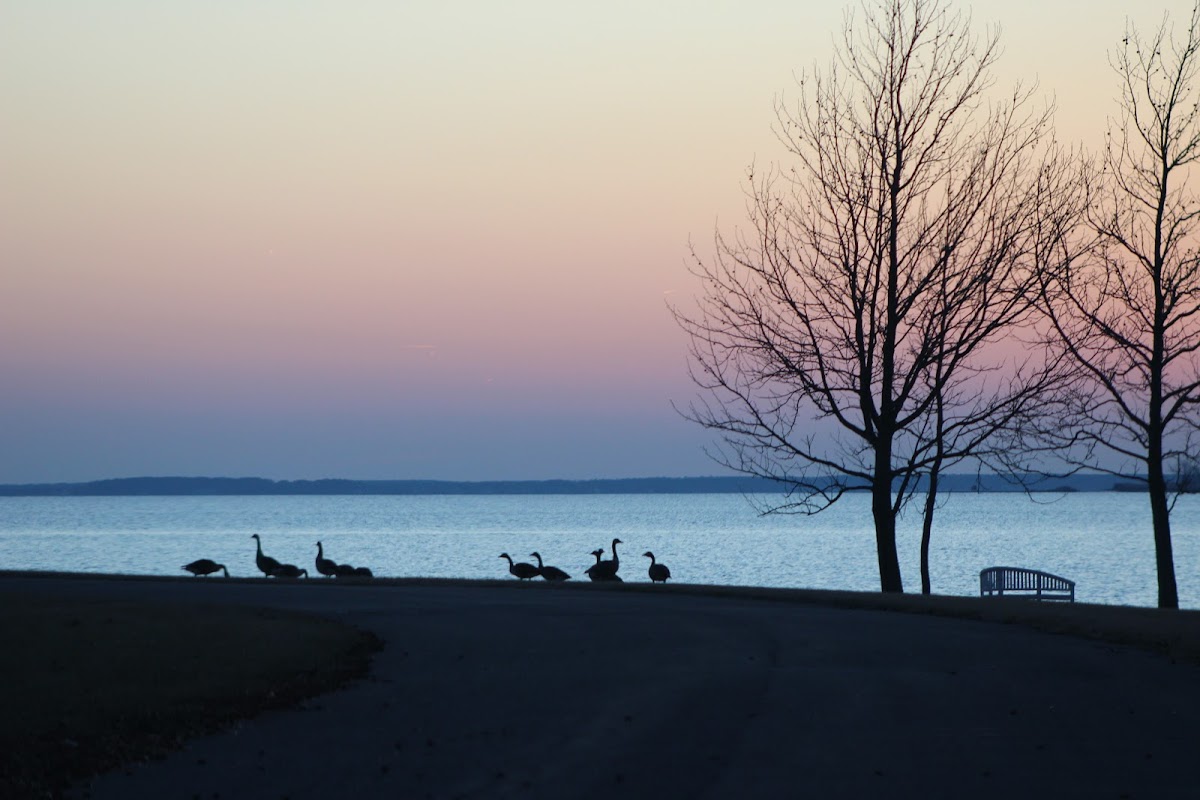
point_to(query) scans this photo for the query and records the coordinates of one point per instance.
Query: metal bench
(1021, 582)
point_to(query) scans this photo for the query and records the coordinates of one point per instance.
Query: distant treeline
(706, 485)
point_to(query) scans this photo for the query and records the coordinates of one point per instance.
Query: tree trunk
(1160, 510)
(885, 522)
(935, 471)
(1160, 515)
(927, 530)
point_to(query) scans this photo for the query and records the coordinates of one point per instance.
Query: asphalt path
(593, 692)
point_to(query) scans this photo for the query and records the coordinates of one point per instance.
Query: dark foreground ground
(486, 690)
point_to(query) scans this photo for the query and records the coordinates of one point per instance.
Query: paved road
(543, 691)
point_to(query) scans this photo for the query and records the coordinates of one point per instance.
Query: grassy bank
(88, 685)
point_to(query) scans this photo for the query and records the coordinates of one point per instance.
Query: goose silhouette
(521, 569)
(596, 573)
(549, 573)
(325, 566)
(658, 572)
(607, 570)
(289, 571)
(266, 564)
(204, 566)
(592, 573)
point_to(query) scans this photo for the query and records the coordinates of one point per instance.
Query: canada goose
(289, 571)
(362, 572)
(325, 566)
(596, 573)
(658, 572)
(549, 573)
(345, 571)
(522, 570)
(205, 566)
(266, 564)
(592, 573)
(607, 570)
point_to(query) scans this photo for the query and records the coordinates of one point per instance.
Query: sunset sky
(397, 239)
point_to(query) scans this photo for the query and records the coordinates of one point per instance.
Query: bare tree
(851, 341)
(1128, 309)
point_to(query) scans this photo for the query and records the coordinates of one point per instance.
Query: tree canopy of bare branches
(1128, 308)
(850, 339)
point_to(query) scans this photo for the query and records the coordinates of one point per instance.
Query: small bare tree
(851, 342)
(1127, 311)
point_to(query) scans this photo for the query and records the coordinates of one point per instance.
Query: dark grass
(1173, 633)
(89, 685)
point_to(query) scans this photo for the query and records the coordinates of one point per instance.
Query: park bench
(1021, 582)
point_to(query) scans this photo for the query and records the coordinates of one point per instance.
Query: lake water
(1102, 541)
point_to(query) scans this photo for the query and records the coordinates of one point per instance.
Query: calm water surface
(1100, 540)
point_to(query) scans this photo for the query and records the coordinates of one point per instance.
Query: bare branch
(854, 335)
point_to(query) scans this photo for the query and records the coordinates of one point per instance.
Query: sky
(389, 240)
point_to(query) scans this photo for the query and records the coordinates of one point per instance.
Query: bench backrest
(1042, 585)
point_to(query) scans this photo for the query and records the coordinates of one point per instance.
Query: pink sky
(406, 240)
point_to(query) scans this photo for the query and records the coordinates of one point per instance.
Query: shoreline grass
(1171, 632)
(88, 685)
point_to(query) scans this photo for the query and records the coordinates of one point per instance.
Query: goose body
(205, 566)
(325, 566)
(362, 572)
(549, 573)
(521, 569)
(607, 570)
(597, 573)
(658, 572)
(265, 564)
(345, 571)
(591, 571)
(289, 571)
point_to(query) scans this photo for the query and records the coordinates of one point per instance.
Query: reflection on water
(1100, 540)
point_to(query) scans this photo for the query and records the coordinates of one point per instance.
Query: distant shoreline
(187, 486)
